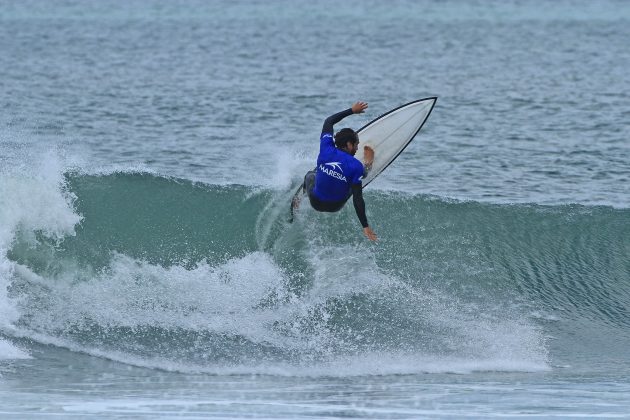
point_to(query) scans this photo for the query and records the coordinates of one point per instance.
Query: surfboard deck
(388, 135)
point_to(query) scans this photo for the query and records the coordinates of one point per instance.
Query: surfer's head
(348, 140)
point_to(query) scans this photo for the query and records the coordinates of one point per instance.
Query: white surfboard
(391, 133)
(388, 135)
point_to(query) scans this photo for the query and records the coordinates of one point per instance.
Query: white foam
(480, 338)
(32, 198)
(110, 169)
(225, 299)
(222, 299)
(290, 167)
(8, 351)
(232, 299)
(36, 202)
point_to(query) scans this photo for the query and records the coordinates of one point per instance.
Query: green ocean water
(224, 285)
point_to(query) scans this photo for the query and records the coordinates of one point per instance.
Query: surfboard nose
(389, 134)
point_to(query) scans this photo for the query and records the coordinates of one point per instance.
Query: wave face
(167, 273)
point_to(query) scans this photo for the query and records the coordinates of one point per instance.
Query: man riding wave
(339, 174)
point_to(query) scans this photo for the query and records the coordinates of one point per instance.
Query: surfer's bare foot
(368, 155)
(295, 203)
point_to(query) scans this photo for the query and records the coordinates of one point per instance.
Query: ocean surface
(148, 153)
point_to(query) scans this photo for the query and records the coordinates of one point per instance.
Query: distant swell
(167, 273)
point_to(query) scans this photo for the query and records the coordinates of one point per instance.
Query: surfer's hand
(368, 155)
(359, 107)
(369, 233)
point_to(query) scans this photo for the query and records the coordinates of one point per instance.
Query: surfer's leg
(307, 185)
(309, 182)
(295, 201)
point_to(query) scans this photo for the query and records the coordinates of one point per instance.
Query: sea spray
(167, 273)
(31, 203)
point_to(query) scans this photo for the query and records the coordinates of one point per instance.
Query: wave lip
(33, 203)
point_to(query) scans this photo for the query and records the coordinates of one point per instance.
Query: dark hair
(344, 136)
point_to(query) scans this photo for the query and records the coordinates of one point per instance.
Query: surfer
(338, 173)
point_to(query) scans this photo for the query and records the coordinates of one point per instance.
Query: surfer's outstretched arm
(334, 119)
(356, 108)
(359, 207)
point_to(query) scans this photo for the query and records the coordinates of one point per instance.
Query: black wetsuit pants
(316, 203)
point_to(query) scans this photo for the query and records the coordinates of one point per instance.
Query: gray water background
(533, 108)
(533, 95)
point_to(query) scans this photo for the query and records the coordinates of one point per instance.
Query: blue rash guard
(338, 174)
